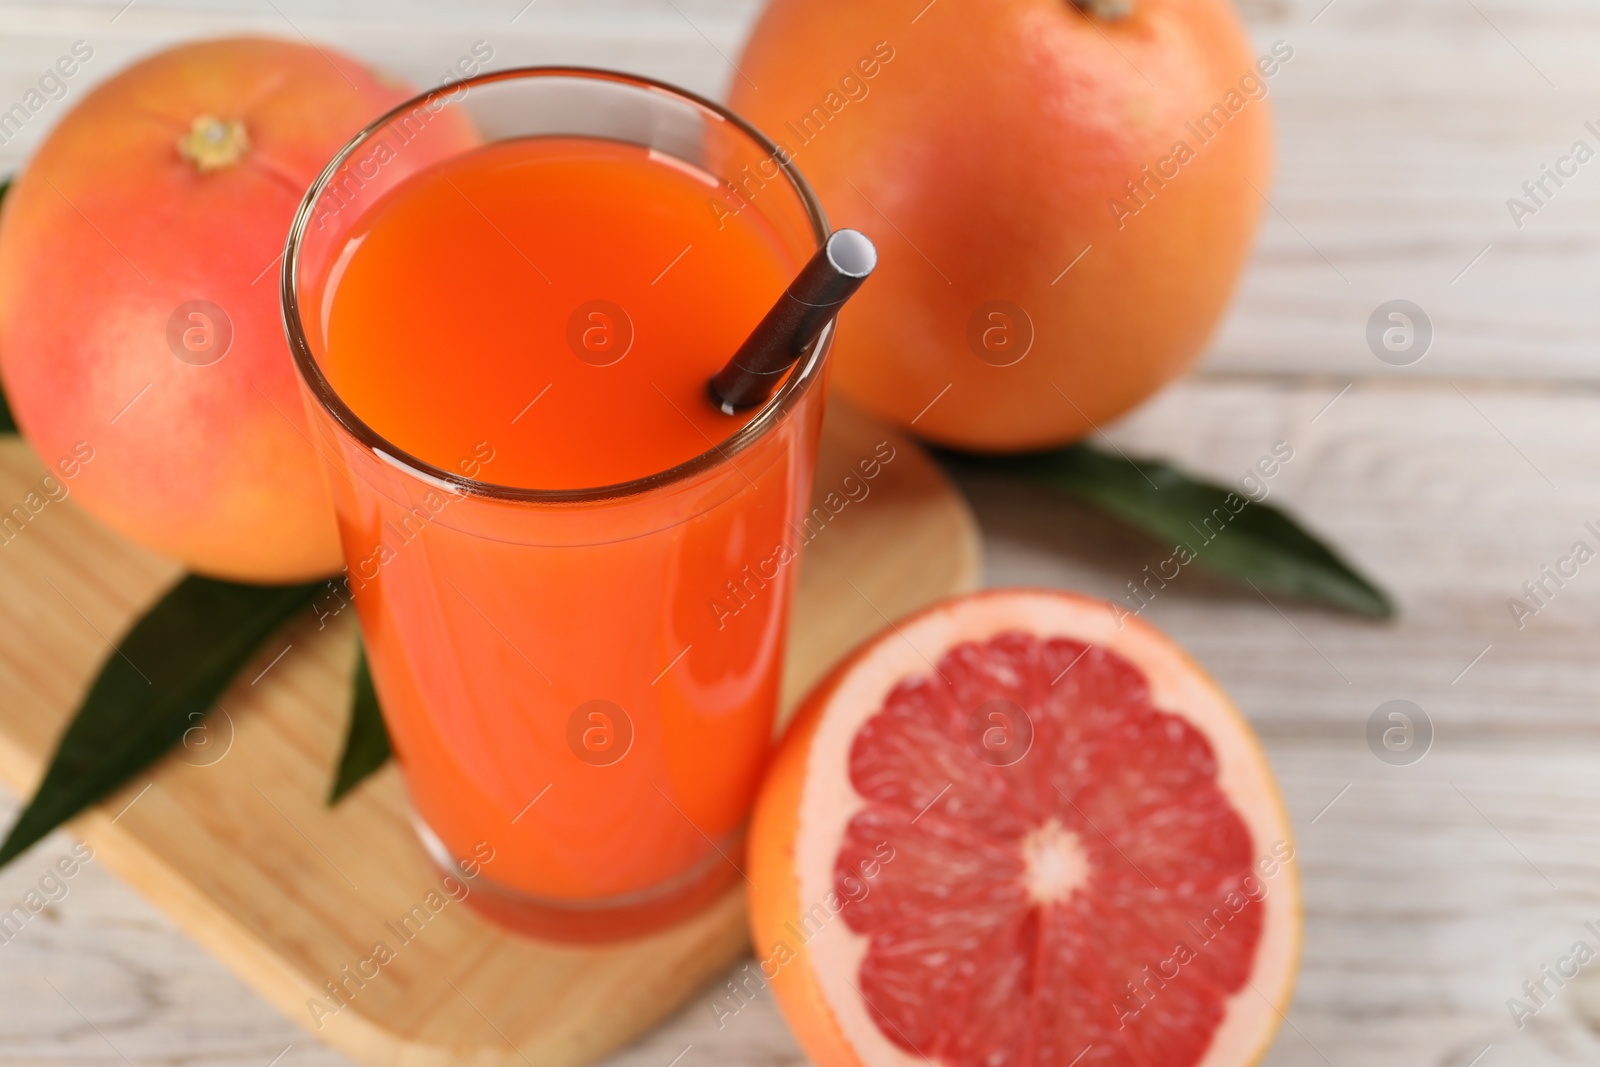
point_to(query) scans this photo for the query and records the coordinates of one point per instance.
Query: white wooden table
(1433, 890)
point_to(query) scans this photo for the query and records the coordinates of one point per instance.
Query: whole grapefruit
(1011, 830)
(139, 320)
(1063, 194)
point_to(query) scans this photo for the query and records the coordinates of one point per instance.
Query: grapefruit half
(1011, 830)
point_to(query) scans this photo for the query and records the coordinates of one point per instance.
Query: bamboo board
(230, 837)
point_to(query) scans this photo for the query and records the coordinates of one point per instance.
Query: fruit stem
(212, 144)
(1110, 10)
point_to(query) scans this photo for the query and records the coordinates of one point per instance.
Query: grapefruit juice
(572, 571)
(570, 297)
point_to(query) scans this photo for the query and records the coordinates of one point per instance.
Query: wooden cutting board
(231, 838)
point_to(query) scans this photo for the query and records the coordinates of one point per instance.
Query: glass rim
(795, 386)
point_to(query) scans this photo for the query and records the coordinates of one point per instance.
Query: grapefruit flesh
(1010, 832)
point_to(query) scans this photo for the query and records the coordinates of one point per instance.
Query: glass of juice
(572, 571)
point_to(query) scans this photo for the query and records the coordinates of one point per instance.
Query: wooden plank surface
(1433, 890)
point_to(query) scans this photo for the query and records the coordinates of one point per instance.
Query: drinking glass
(578, 683)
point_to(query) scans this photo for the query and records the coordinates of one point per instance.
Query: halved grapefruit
(1014, 830)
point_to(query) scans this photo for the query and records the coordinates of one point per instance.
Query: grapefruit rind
(809, 794)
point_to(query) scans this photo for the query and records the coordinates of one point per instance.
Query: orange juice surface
(583, 690)
(600, 282)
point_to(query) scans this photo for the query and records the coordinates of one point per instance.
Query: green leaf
(1254, 542)
(366, 746)
(8, 424)
(161, 679)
